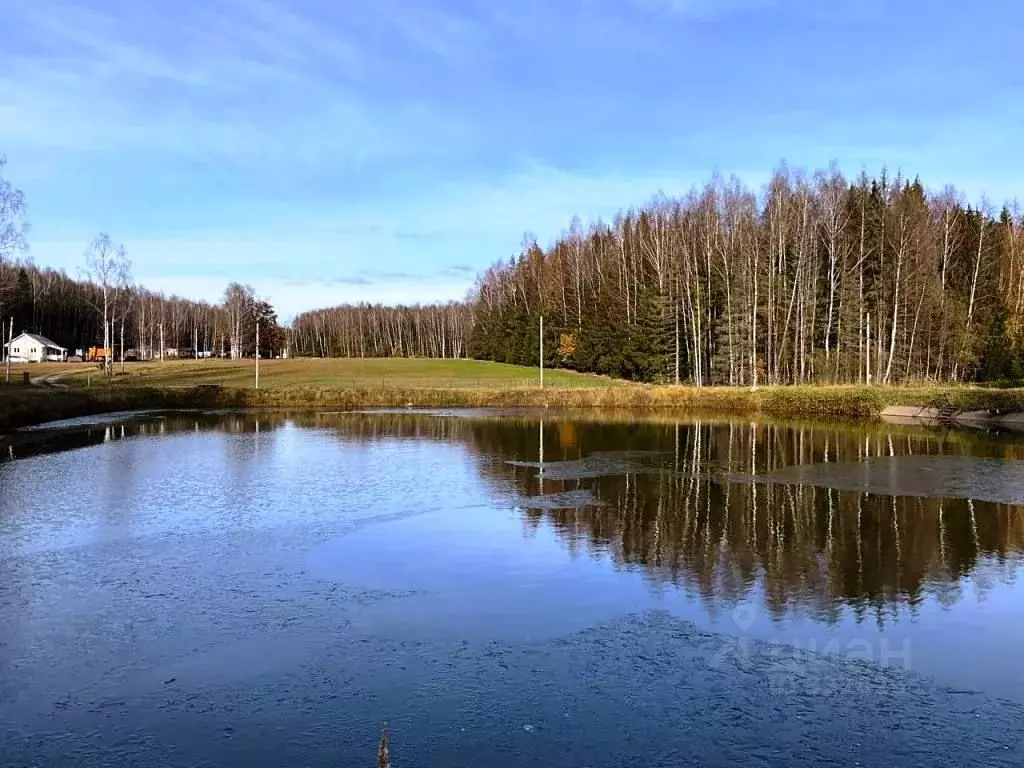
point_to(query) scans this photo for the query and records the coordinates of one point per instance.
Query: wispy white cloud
(242, 81)
(300, 143)
(537, 197)
(291, 297)
(726, 10)
(456, 38)
(405, 252)
(703, 9)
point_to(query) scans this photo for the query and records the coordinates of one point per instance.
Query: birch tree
(238, 303)
(12, 217)
(108, 267)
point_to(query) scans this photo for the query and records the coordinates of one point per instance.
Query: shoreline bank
(969, 406)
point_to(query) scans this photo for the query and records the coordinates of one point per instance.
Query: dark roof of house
(41, 340)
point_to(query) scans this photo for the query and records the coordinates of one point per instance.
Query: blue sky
(329, 151)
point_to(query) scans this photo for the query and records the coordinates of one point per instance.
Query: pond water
(509, 588)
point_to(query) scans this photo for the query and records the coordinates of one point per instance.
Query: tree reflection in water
(677, 504)
(672, 510)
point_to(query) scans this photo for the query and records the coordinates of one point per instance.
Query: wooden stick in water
(383, 758)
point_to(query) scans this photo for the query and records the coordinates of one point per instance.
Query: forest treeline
(64, 309)
(815, 279)
(104, 308)
(373, 330)
(145, 323)
(818, 279)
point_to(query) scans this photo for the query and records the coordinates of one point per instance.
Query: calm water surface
(510, 589)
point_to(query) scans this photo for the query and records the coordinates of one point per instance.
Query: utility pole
(257, 353)
(10, 340)
(867, 362)
(542, 351)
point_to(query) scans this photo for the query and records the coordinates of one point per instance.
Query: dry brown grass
(347, 384)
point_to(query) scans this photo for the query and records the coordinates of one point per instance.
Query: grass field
(37, 369)
(336, 373)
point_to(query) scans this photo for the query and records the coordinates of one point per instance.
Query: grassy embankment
(435, 383)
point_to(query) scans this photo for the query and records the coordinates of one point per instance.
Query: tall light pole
(257, 352)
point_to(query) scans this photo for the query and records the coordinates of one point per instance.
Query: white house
(33, 348)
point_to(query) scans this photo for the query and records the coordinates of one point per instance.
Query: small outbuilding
(33, 348)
